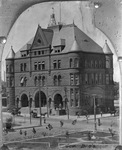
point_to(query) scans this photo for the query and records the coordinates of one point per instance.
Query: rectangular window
(35, 53)
(96, 78)
(77, 97)
(7, 68)
(71, 97)
(76, 79)
(107, 78)
(25, 66)
(21, 67)
(86, 78)
(54, 64)
(71, 79)
(7, 82)
(43, 65)
(35, 66)
(39, 52)
(59, 63)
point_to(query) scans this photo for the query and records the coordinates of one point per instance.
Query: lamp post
(30, 106)
(120, 101)
(39, 79)
(95, 123)
(2, 42)
(66, 102)
(47, 104)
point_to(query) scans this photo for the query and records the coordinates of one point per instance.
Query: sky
(84, 15)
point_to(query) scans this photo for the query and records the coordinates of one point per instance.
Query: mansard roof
(75, 39)
(106, 48)
(11, 54)
(70, 31)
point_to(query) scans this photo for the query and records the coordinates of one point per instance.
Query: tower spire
(52, 21)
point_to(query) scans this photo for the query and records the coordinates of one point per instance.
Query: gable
(40, 39)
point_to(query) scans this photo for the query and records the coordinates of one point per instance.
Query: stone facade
(68, 68)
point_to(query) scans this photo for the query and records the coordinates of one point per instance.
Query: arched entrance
(24, 100)
(42, 97)
(58, 103)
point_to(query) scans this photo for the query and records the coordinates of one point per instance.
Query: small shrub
(9, 122)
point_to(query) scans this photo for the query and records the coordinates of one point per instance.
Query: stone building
(68, 68)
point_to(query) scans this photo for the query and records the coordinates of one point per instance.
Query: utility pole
(30, 106)
(95, 123)
(39, 79)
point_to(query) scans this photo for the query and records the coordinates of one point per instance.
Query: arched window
(92, 64)
(25, 81)
(100, 78)
(70, 63)
(76, 62)
(55, 80)
(59, 80)
(96, 63)
(92, 78)
(39, 65)
(35, 81)
(22, 81)
(43, 81)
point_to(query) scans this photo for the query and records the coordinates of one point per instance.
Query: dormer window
(35, 53)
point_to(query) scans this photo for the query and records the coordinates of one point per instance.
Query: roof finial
(73, 22)
(52, 10)
(11, 47)
(105, 41)
(52, 21)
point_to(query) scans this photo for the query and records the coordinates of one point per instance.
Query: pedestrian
(78, 115)
(61, 123)
(89, 135)
(101, 113)
(44, 120)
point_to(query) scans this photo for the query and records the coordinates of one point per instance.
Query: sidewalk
(24, 122)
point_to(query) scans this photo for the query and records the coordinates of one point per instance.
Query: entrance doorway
(43, 99)
(24, 100)
(58, 103)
